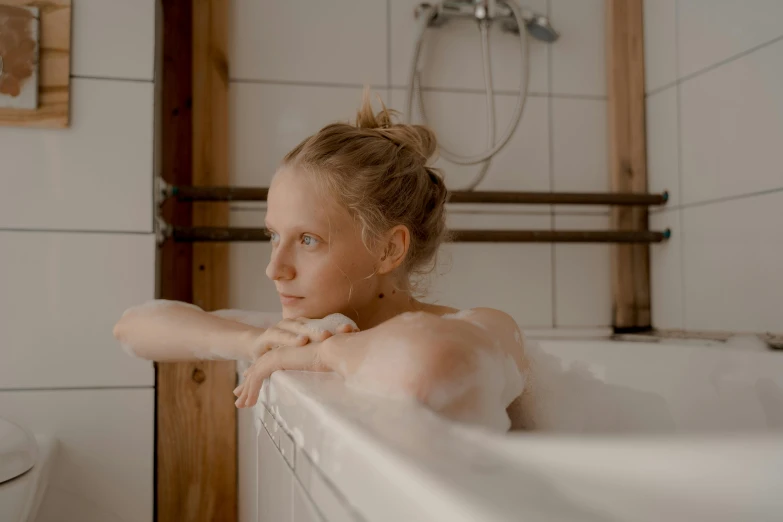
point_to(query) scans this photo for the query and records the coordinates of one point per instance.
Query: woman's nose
(278, 269)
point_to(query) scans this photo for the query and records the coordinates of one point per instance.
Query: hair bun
(417, 138)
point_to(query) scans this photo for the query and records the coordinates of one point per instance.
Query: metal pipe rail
(237, 234)
(213, 194)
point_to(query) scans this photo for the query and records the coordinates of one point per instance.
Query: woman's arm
(162, 330)
(469, 369)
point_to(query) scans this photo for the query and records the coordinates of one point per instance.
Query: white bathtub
(631, 432)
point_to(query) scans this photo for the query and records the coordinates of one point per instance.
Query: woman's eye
(271, 235)
(309, 240)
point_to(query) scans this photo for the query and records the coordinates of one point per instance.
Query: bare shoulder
(492, 319)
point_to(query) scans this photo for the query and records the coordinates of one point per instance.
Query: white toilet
(25, 464)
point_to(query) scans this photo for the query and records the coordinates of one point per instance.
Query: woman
(355, 217)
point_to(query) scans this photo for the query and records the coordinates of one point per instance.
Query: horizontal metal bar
(187, 194)
(231, 234)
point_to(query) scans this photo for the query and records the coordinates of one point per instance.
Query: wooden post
(628, 160)
(196, 417)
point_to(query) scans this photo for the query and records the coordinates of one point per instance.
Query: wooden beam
(628, 159)
(196, 417)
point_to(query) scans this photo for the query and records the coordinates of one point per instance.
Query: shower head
(540, 28)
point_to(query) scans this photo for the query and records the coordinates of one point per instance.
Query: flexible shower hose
(414, 92)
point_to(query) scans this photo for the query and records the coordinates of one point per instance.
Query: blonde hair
(379, 170)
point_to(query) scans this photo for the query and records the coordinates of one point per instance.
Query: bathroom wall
(297, 65)
(76, 249)
(715, 129)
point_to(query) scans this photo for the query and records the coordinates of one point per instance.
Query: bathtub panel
(304, 509)
(103, 469)
(395, 460)
(60, 296)
(275, 481)
(247, 465)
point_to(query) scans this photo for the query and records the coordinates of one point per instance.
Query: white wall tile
(60, 296)
(460, 123)
(579, 143)
(710, 31)
(267, 121)
(451, 56)
(666, 288)
(275, 482)
(342, 41)
(579, 56)
(113, 39)
(732, 127)
(96, 175)
(514, 277)
(103, 471)
(663, 170)
(583, 284)
(733, 257)
(660, 51)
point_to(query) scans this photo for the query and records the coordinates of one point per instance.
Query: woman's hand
(292, 332)
(276, 351)
(302, 358)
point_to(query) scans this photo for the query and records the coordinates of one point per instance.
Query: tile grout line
(79, 388)
(388, 49)
(680, 217)
(721, 63)
(390, 85)
(724, 199)
(112, 79)
(77, 231)
(708, 68)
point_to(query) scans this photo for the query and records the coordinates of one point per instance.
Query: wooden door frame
(196, 437)
(631, 310)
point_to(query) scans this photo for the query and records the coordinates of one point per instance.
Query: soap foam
(330, 323)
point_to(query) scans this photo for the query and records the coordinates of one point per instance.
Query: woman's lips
(289, 299)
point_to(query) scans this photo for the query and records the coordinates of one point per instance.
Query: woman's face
(318, 259)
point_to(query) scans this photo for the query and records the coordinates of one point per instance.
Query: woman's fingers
(283, 358)
(347, 328)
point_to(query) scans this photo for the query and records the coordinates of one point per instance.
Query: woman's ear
(396, 248)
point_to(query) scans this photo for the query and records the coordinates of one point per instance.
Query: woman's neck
(391, 303)
(383, 307)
